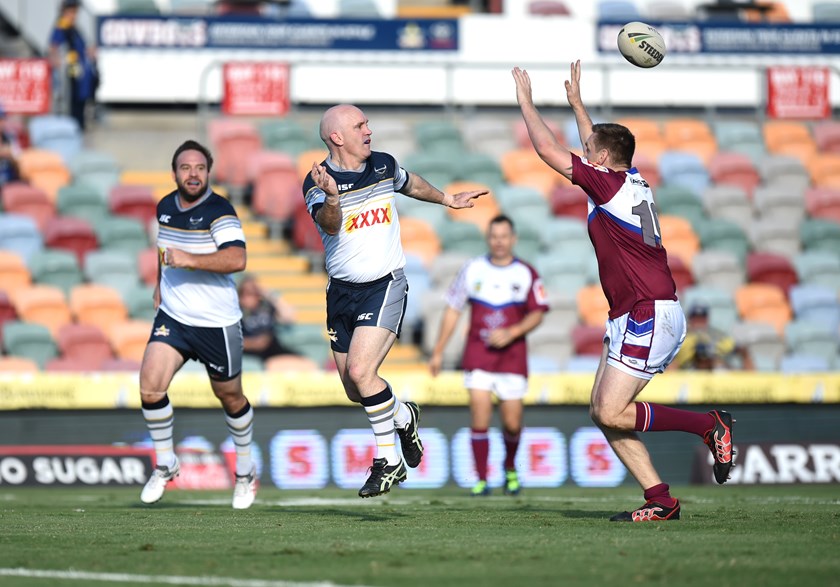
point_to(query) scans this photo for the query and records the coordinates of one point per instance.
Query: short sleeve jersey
(498, 296)
(624, 230)
(196, 297)
(368, 244)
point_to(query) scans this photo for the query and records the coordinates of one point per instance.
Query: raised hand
(523, 86)
(573, 85)
(324, 180)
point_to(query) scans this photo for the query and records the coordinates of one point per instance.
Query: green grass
(727, 536)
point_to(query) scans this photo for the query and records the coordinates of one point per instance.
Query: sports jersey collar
(198, 202)
(334, 166)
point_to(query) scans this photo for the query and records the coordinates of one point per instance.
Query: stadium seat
(44, 169)
(446, 267)
(741, 137)
(285, 135)
(56, 132)
(690, 135)
(617, 10)
(120, 365)
(563, 273)
(825, 11)
(284, 264)
(827, 135)
(724, 235)
(723, 313)
(277, 187)
(307, 158)
(762, 302)
(419, 238)
(564, 234)
(524, 167)
(777, 235)
(592, 305)
(511, 197)
(305, 235)
(95, 169)
(28, 200)
(648, 168)
(82, 201)
(730, 203)
(681, 272)
(147, 265)
(31, 341)
(484, 209)
(675, 200)
(99, 305)
(20, 234)
(569, 200)
(114, 268)
(491, 136)
(291, 364)
(129, 338)
(548, 342)
(718, 268)
(788, 137)
(823, 203)
(588, 340)
(480, 168)
(83, 341)
(74, 365)
(7, 311)
(465, 237)
(784, 170)
(122, 233)
(779, 201)
(650, 142)
(763, 342)
(562, 315)
(134, 201)
(821, 235)
(71, 234)
(160, 181)
(234, 149)
(679, 238)
(523, 138)
(436, 216)
(437, 168)
(42, 304)
(819, 267)
(18, 365)
(14, 273)
(815, 303)
(731, 168)
(310, 340)
(795, 364)
(825, 170)
(771, 268)
(439, 136)
(684, 169)
(816, 339)
(668, 10)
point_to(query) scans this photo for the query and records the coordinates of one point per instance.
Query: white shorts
(504, 386)
(644, 341)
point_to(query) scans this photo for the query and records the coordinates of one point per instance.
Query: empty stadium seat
(480, 168)
(562, 234)
(7, 310)
(827, 136)
(233, 151)
(72, 234)
(97, 170)
(819, 267)
(690, 135)
(31, 341)
(784, 170)
(592, 305)
(762, 302)
(617, 11)
(439, 136)
(779, 201)
(823, 203)
(718, 268)
(446, 267)
(285, 135)
(668, 10)
(675, 200)
(14, 274)
(789, 137)
(20, 234)
(565, 273)
(732, 168)
(419, 238)
(484, 209)
(549, 342)
(82, 201)
(730, 203)
(740, 136)
(134, 201)
(524, 167)
(438, 169)
(491, 136)
(83, 341)
(825, 170)
(115, 268)
(816, 339)
(763, 342)
(723, 313)
(122, 233)
(724, 235)
(99, 305)
(648, 168)
(464, 236)
(777, 234)
(588, 340)
(815, 303)
(56, 132)
(44, 169)
(679, 238)
(684, 169)
(147, 265)
(523, 137)
(820, 235)
(569, 200)
(796, 363)
(681, 272)
(277, 187)
(28, 200)
(129, 338)
(771, 268)
(307, 158)
(42, 304)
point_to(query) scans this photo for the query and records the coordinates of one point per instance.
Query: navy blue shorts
(219, 349)
(374, 303)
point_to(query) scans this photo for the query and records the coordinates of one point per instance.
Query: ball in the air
(641, 44)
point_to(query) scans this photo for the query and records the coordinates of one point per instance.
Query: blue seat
(56, 132)
(815, 303)
(684, 169)
(804, 364)
(20, 234)
(723, 313)
(618, 10)
(816, 339)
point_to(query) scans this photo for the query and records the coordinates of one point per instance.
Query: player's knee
(357, 373)
(602, 417)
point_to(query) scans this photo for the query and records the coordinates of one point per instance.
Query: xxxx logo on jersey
(369, 218)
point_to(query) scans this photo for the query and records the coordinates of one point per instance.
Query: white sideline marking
(159, 579)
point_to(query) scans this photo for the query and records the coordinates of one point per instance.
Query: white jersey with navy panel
(196, 297)
(368, 244)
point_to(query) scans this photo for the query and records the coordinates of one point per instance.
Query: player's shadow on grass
(585, 514)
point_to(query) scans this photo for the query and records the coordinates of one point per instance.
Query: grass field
(727, 536)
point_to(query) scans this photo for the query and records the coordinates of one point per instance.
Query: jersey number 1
(646, 211)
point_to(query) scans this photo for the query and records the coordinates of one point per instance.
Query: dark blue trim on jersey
(227, 244)
(622, 223)
(495, 307)
(640, 328)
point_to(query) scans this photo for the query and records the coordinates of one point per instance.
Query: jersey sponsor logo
(640, 182)
(369, 218)
(217, 368)
(196, 221)
(594, 165)
(343, 187)
(161, 330)
(380, 171)
(164, 218)
(364, 317)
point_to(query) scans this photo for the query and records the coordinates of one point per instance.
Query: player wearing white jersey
(200, 243)
(646, 325)
(351, 197)
(507, 301)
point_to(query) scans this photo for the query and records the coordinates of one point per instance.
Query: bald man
(351, 196)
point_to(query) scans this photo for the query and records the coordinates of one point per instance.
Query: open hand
(573, 85)
(324, 180)
(523, 86)
(465, 199)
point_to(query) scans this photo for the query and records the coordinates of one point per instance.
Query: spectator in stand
(70, 54)
(9, 151)
(261, 315)
(708, 349)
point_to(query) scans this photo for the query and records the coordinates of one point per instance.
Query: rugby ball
(641, 44)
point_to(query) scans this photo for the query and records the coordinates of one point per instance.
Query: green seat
(286, 135)
(96, 170)
(431, 213)
(143, 7)
(439, 169)
(562, 273)
(82, 201)
(33, 341)
(510, 197)
(820, 235)
(56, 267)
(464, 237)
(251, 364)
(819, 267)
(114, 268)
(559, 231)
(723, 313)
(439, 135)
(122, 233)
(677, 200)
(480, 168)
(724, 235)
(307, 339)
(139, 303)
(741, 137)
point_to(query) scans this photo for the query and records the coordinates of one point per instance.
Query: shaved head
(335, 119)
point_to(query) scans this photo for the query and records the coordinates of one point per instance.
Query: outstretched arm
(418, 188)
(584, 122)
(546, 144)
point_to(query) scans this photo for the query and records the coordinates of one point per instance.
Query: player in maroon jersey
(646, 324)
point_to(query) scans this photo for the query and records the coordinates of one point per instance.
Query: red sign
(798, 92)
(25, 86)
(255, 88)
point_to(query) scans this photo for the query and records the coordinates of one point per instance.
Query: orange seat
(825, 170)
(160, 182)
(769, 12)
(290, 364)
(524, 167)
(727, 168)
(485, 207)
(129, 338)
(11, 364)
(290, 264)
(83, 341)
(45, 170)
(679, 238)
(593, 307)
(763, 302)
(43, 304)
(99, 305)
(787, 137)
(419, 238)
(29, 200)
(14, 274)
(642, 128)
(690, 134)
(306, 159)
